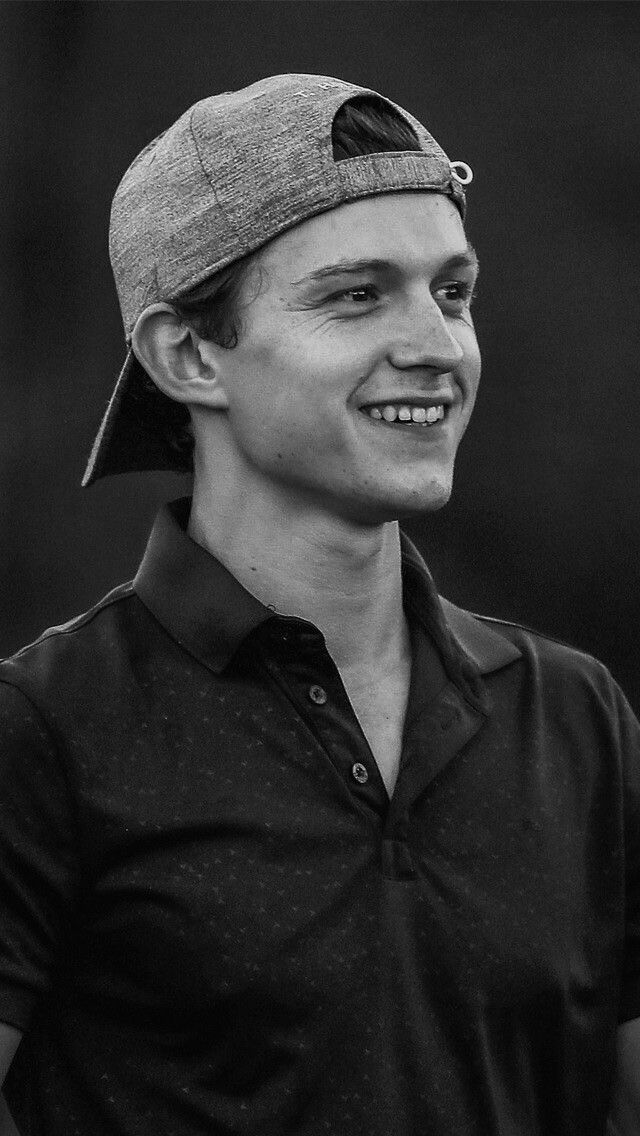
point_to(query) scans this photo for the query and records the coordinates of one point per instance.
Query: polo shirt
(214, 921)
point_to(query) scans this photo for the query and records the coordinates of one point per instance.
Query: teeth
(421, 415)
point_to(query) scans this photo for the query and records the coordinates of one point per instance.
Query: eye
(456, 294)
(360, 294)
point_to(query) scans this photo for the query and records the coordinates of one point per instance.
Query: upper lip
(441, 398)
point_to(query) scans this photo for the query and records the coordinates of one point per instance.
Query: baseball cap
(233, 172)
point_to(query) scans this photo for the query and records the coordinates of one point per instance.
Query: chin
(429, 503)
(402, 505)
(425, 497)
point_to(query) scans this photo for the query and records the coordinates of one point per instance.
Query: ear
(170, 352)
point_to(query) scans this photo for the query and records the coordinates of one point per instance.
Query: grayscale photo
(319, 676)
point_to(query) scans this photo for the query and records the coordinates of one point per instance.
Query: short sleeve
(629, 742)
(38, 870)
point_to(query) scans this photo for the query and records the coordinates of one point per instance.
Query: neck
(342, 577)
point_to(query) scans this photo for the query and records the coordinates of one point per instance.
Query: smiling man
(289, 843)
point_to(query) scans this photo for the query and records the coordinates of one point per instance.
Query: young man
(289, 843)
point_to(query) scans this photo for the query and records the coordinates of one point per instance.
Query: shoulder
(74, 654)
(552, 695)
(557, 670)
(477, 630)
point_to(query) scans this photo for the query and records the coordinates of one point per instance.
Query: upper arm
(624, 1117)
(9, 1042)
(38, 862)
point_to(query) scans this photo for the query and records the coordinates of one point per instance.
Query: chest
(380, 703)
(250, 874)
(230, 860)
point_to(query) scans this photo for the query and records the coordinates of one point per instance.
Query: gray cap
(233, 172)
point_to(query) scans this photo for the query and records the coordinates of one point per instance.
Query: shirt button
(360, 773)
(318, 695)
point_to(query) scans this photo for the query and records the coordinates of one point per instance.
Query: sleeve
(38, 870)
(629, 742)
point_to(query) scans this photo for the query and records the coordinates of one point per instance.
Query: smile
(406, 414)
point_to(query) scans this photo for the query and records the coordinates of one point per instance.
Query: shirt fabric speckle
(214, 921)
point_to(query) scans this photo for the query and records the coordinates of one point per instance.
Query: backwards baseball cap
(233, 172)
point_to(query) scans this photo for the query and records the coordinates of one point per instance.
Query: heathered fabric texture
(237, 169)
(209, 924)
(233, 172)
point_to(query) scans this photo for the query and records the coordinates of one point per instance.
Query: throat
(379, 699)
(344, 578)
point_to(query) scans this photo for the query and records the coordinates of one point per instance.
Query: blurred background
(543, 101)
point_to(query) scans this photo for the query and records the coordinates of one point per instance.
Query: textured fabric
(237, 169)
(233, 172)
(211, 924)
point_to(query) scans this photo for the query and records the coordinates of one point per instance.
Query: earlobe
(170, 353)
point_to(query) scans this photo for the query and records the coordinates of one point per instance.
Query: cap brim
(129, 438)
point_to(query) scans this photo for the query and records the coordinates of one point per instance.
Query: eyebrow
(345, 267)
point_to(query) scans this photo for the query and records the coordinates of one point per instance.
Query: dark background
(542, 99)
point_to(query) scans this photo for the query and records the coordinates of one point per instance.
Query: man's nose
(423, 338)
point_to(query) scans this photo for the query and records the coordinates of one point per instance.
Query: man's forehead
(403, 226)
(374, 226)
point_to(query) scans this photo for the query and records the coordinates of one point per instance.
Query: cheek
(279, 415)
(471, 367)
(469, 342)
(473, 370)
(288, 380)
(289, 395)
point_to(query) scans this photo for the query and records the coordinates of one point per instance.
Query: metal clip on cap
(461, 172)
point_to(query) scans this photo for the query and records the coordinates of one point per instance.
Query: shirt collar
(455, 630)
(195, 598)
(205, 609)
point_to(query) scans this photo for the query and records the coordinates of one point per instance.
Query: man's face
(358, 336)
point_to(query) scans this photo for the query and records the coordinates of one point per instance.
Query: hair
(366, 124)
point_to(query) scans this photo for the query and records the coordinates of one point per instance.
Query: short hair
(365, 124)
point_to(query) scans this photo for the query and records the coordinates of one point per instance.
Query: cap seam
(208, 179)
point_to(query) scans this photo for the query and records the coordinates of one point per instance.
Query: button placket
(329, 715)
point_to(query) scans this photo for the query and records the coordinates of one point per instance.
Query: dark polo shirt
(213, 920)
